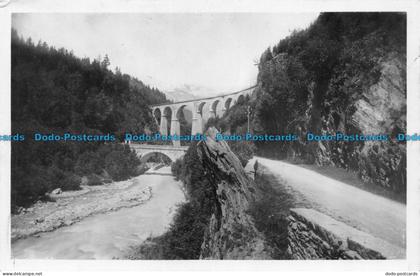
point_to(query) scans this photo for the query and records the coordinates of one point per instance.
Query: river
(109, 235)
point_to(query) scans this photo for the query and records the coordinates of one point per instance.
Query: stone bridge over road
(167, 115)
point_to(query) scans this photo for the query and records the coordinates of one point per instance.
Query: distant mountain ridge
(188, 92)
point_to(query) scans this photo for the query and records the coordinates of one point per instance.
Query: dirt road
(379, 216)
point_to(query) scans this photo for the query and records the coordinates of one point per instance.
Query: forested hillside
(54, 91)
(345, 73)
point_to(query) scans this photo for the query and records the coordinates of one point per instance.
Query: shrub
(93, 180)
(141, 169)
(121, 163)
(269, 212)
(70, 182)
(28, 188)
(176, 169)
(89, 162)
(244, 150)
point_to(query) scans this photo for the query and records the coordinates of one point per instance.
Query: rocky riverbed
(72, 206)
(111, 233)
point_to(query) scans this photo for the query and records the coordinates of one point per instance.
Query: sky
(215, 52)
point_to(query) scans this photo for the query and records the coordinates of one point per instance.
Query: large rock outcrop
(345, 73)
(363, 104)
(231, 233)
(380, 109)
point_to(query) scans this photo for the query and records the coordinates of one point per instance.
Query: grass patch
(269, 212)
(182, 241)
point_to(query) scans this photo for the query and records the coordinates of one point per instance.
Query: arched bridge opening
(156, 157)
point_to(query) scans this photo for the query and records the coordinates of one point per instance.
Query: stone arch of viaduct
(167, 115)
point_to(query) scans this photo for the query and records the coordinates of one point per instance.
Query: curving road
(379, 216)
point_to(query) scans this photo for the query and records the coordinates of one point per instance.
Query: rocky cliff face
(345, 73)
(231, 233)
(379, 109)
(357, 103)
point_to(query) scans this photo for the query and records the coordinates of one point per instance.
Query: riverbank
(111, 234)
(73, 206)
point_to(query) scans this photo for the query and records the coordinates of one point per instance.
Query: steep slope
(346, 73)
(55, 92)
